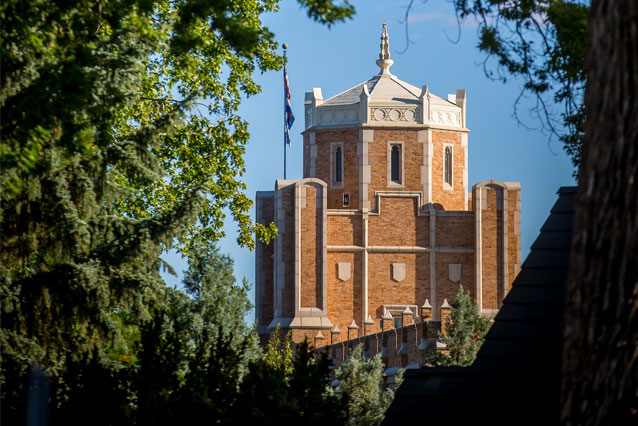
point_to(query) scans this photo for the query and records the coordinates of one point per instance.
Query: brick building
(384, 227)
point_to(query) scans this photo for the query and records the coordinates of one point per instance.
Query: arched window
(338, 165)
(447, 165)
(396, 164)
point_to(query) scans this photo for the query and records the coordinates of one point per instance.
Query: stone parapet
(398, 347)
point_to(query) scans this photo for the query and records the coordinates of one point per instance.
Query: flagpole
(285, 46)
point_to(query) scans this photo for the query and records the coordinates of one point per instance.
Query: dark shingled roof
(515, 379)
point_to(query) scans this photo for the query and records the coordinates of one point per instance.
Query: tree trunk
(600, 354)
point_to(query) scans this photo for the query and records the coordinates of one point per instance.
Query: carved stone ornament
(394, 114)
(455, 272)
(343, 271)
(446, 117)
(398, 272)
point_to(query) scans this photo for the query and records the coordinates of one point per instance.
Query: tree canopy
(360, 380)
(543, 43)
(120, 139)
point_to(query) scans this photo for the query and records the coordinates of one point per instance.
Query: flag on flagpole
(289, 118)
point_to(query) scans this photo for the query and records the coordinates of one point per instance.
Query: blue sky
(339, 58)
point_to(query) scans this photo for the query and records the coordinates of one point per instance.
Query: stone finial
(352, 330)
(319, 335)
(407, 316)
(335, 334)
(387, 321)
(384, 62)
(318, 339)
(446, 311)
(368, 322)
(426, 311)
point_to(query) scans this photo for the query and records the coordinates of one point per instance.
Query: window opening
(448, 165)
(338, 164)
(398, 322)
(395, 164)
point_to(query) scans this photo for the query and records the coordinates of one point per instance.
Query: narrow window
(396, 164)
(338, 165)
(398, 322)
(448, 165)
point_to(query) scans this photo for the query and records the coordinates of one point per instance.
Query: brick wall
(454, 231)
(398, 233)
(311, 246)
(449, 199)
(288, 250)
(264, 253)
(514, 234)
(382, 289)
(344, 297)
(349, 137)
(378, 159)
(445, 288)
(344, 230)
(398, 224)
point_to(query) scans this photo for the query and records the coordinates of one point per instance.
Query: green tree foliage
(196, 349)
(543, 42)
(120, 139)
(278, 353)
(360, 381)
(466, 330)
(299, 395)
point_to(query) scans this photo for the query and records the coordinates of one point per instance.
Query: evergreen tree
(276, 394)
(360, 380)
(465, 333)
(120, 139)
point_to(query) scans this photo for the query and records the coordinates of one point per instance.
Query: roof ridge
(352, 88)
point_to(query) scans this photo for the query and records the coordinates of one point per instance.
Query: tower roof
(385, 98)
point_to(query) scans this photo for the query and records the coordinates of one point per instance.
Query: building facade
(383, 227)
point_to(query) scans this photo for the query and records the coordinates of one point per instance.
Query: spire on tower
(384, 62)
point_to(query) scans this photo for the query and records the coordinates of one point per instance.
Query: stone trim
(478, 242)
(390, 183)
(365, 265)
(365, 138)
(400, 249)
(343, 212)
(425, 138)
(422, 211)
(396, 194)
(300, 202)
(432, 212)
(448, 186)
(333, 165)
(397, 310)
(505, 197)
(386, 126)
(464, 145)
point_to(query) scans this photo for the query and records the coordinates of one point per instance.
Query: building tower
(382, 223)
